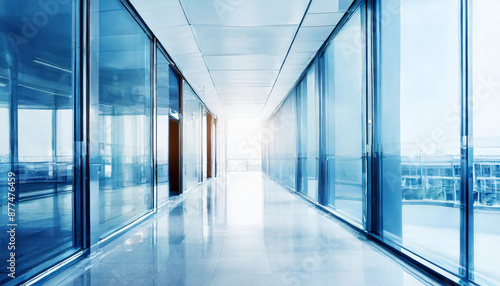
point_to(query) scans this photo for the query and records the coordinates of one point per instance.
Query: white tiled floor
(241, 229)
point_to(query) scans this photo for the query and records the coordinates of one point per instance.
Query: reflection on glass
(163, 89)
(37, 78)
(121, 82)
(343, 105)
(308, 132)
(419, 131)
(285, 142)
(192, 114)
(486, 99)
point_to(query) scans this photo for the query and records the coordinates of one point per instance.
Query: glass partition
(192, 114)
(121, 116)
(308, 132)
(38, 193)
(343, 105)
(418, 135)
(163, 110)
(486, 134)
(279, 137)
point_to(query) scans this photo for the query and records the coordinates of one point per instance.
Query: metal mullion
(154, 127)
(376, 160)
(366, 115)
(467, 158)
(323, 176)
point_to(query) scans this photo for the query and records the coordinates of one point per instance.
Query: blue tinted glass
(192, 142)
(419, 136)
(280, 140)
(174, 92)
(308, 127)
(37, 76)
(120, 87)
(486, 106)
(163, 89)
(344, 119)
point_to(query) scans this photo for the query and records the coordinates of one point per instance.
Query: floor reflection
(241, 229)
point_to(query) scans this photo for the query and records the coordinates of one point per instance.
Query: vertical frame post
(467, 156)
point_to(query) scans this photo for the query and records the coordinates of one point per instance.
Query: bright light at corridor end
(244, 142)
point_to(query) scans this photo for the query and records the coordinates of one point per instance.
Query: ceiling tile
(244, 62)
(306, 46)
(322, 19)
(244, 40)
(244, 13)
(228, 99)
(256, 78)
(166, 17)
(312, 34)
(243, 109)
(173, 32)
(324, 6)
(243, 91)
(180, 46)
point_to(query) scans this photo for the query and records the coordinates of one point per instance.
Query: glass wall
(167, 105)
(44, 118)
(192, 114)
(420, 91)
(120, 116)
(486, 134)
(38, 193)
(280, 136)
(308, 133)
(343, 112)
(433, 110)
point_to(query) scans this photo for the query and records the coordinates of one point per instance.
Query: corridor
(238, 229)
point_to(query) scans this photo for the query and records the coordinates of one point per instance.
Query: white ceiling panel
(246, 91)
(244, 13)
(302, 47)
(329, 6)
(191, 62)
(244, 40)
(250, 78)
(244, 62)
(174, 32)
(165, 17)
(300, 55)
(322, 19)
(180, 46)
(243, 109)
(297, 61)
(324, 6)
(240, 56)
(238, 98)
(313, 34)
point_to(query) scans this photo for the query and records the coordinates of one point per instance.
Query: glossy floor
(241, 229)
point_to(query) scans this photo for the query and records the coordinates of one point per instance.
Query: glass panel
(192, 148)
(486, 98)
(284, 137)
(121, 83)
(37, 77)
(344, 119)
(174, 93)
(308, 122)
(419, 133)
(163, 88)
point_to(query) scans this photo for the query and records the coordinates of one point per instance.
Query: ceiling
(242, 57)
